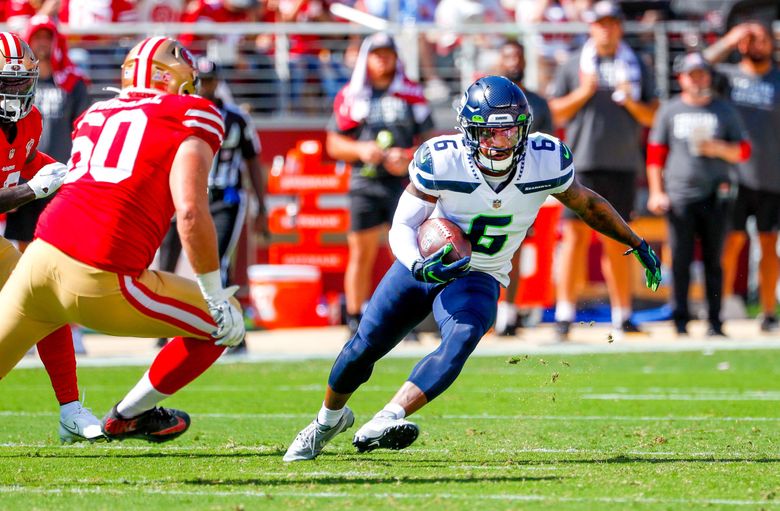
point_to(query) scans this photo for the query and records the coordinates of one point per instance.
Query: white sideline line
(490, 350)
(567, 418)
(384, 496)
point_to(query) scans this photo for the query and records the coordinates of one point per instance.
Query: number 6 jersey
(115, 206)
(495, 221)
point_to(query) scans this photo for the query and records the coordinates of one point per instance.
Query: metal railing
(265, 76)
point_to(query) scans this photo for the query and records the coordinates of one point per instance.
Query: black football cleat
(156, 425)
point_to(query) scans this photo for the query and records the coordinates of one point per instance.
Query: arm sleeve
(410, 213)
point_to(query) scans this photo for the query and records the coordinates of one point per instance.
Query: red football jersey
(14, 156)
(115, 206)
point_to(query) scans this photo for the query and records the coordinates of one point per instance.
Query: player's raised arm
(599, 214)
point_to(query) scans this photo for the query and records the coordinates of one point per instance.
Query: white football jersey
(495, 221)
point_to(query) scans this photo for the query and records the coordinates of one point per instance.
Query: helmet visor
(499, 139)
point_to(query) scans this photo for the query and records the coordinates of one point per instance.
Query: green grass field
(670, 431)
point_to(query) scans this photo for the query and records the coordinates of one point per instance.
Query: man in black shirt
(377, 119)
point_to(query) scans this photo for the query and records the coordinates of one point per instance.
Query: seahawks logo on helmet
(494, 102)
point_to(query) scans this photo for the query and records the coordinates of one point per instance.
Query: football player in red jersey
(137, 159)
(20, 132)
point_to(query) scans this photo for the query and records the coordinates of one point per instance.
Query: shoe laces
(308, 435)
(83, 410)
(158, 412)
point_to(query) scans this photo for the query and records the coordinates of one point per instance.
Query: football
(434, 233)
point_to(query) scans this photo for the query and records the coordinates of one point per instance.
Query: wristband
(210, 284)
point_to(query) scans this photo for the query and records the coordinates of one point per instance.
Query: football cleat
(79, 426)
(310, 441)
(156, 425)
(385, 432)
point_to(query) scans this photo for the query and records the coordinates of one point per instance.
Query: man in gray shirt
(754, 88)
(603, 95)
(695, 138)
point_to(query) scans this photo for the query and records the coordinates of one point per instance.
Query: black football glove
(650, 261)
(433, 269)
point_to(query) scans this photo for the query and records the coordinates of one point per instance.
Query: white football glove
(230, 323)
(48, 180)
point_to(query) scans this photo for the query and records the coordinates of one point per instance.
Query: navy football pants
(464, 309)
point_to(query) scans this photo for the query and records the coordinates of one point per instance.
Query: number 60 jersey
(495, 221)
(115, 206)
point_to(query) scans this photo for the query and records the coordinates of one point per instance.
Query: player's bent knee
(353, 366)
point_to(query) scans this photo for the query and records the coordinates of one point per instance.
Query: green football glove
(433, 269)
(646, 255)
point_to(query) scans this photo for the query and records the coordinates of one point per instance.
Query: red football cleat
(156, 425)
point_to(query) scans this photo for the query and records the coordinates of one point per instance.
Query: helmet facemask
(17, 93)
(496, 146)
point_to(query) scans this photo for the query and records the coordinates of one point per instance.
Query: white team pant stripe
(165, 309)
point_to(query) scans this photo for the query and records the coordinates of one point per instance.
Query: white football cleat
(310, 441)
(385, 432)
(80, 426)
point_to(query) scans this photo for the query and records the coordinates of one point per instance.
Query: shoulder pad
(423, 160)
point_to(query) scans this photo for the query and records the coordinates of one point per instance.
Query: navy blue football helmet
(495, 104)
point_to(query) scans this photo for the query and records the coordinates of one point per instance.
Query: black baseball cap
(690, 62)
(207, 68)
(601, 10)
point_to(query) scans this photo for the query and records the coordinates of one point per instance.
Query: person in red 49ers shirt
(27, 174)
(137, 159)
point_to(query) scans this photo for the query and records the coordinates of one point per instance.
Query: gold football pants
(49, 289)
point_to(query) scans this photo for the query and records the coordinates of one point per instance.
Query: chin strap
(494, 165)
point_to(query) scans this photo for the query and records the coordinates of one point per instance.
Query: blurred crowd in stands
(315, 67)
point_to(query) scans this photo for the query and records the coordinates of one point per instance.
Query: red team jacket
(115, 206)
(14, 155)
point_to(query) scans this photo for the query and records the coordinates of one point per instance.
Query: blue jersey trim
(452, 186)
(538, 186)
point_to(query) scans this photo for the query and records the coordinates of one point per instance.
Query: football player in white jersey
(491, 181)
